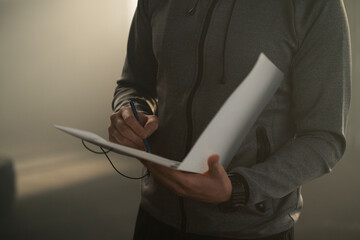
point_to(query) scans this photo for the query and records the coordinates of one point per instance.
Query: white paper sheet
(225, 132)
(128, 151)
(232, 122)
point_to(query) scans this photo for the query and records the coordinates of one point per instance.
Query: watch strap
(239, 196)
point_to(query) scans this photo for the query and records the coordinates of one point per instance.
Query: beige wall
(59, 60)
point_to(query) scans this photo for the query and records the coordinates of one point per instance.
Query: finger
(151, 125)
(143, 118)
(128, 116)
(127, 143)
(116, 137)
(112, 139)
(214, 165)
(128, 133)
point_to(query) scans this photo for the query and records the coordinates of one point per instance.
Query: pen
(138, 119)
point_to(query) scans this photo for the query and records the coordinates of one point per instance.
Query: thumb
(214, 164)
(143, 117)
(151, 124)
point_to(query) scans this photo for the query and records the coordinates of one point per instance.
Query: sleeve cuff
(140, 104)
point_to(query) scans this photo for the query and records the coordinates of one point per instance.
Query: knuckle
(126, 108)
(124, 129)
(125, 117)
(113, 116)
(122, 109)
(128, 119)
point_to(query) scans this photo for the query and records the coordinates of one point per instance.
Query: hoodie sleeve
(320, 79)
(138, 79)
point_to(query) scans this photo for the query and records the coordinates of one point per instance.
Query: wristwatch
(239, 195)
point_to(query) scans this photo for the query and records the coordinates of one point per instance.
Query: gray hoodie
(185, 57)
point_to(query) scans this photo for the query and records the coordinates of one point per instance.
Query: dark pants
(148, 228)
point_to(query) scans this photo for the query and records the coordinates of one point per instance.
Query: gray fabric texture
(305, 121)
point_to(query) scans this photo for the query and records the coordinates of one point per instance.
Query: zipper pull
(192, 11)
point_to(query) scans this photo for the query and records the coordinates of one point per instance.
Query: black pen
(138, 119)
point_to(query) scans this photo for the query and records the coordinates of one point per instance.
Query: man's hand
(124, 129)
(213, 186)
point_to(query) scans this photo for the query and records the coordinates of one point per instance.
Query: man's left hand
(213, 186)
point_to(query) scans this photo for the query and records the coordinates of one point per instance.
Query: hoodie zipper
(191, 97)
(199, 74)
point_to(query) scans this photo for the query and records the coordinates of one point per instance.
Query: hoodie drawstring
(223, 77)
(192, 11)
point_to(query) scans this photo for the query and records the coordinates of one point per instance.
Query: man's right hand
(124, 129)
